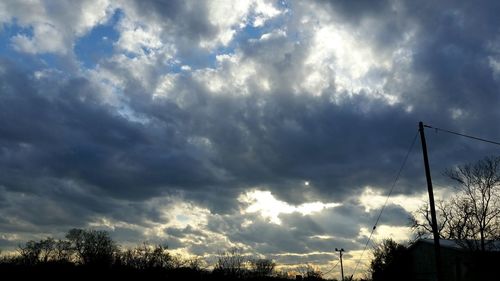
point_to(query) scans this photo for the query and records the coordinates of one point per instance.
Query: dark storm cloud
(280, 140)
(355, 11)
(74, 135)
(454, 47)
(451, 44)
(188, 19)
(66, 157)
(183, 232)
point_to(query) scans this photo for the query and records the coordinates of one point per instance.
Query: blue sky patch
(98, 43)
(26, 61)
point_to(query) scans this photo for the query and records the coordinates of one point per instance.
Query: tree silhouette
(63, 251)
(147, 257)
(390, 261)
(472, 216)
(262, 267)
(93, 247)
(29, 252)
(85, 254)
(310, 272)
(230, 264)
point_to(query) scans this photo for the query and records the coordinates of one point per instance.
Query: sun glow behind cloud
(269, 207)
(336, 51)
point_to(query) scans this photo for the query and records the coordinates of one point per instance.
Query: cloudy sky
(274, 126)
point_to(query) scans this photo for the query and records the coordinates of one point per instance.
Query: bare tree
(473, 214)
(195, 263)
(148, 257)
(63, 251)
(231, 263)
(310, 272)
(93, 247)
(262, 267)
(29, 252)
(479, 184)
(47, 249)
(421, 220)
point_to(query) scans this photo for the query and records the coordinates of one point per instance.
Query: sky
(277, 127)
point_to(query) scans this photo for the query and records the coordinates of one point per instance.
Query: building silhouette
(459, 262)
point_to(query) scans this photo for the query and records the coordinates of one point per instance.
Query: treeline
(85, 254)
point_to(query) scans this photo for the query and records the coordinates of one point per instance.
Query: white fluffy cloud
(55, 26)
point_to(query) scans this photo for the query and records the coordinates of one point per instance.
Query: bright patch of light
(269, 207)
(230, 77)
(272, 35)
(372, 200)
(231, 16)
(341, 59)
(107, 223)
(135, 37)
(264, 11)
(165, 85)
(265, 85)
(225, 14)
(184, 214)
(323, 237)
(457, 113)
(246, 223)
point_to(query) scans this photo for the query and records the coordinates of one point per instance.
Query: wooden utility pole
(437, 247)
(341, 265)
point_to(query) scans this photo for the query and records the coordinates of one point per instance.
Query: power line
(334, 266)
(386, 200)
(463, 135)
(399, 174)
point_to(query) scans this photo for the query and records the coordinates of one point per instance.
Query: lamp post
(341, 265)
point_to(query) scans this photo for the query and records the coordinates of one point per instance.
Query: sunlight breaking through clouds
(373, 199)
(264, 203)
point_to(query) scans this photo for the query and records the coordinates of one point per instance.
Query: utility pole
(437, 247)
(341, 265)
